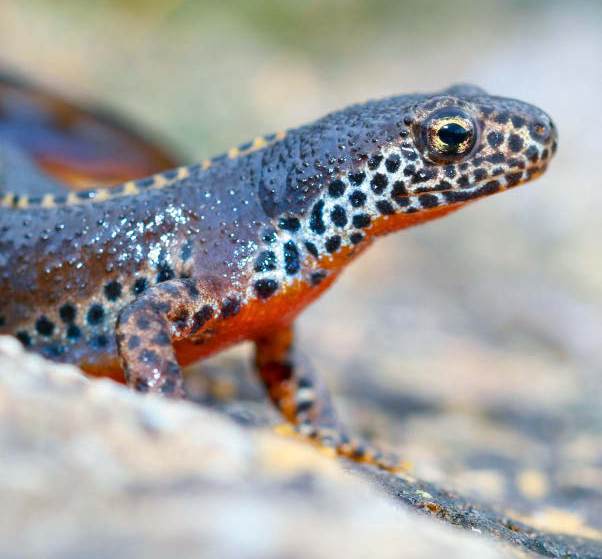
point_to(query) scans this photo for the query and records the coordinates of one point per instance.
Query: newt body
(156, 273)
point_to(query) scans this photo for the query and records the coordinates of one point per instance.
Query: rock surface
(91, 469)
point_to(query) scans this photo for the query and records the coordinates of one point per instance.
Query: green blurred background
(492, 317)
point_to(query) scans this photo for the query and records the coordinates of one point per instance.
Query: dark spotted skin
(156, 273)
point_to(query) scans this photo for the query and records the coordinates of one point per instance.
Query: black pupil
(453, 134)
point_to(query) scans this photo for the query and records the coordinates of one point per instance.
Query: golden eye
(452, 136)
(447, 135)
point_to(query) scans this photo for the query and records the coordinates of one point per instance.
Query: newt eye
(447, 135)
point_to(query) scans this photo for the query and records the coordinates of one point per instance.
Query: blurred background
(471, 346)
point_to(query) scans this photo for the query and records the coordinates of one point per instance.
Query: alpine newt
(139, 280)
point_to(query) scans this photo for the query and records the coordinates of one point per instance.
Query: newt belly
(136, 280)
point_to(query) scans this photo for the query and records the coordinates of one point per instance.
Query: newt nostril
(543, 130)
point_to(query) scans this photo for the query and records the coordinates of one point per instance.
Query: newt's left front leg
(305, 402)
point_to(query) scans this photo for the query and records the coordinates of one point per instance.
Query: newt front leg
(147, 329)
(305, 402)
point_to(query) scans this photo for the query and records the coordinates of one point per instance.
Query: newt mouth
(490, 185)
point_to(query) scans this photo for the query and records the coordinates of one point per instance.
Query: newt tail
(137, 280)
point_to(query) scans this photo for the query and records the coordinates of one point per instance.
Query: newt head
(456, 147)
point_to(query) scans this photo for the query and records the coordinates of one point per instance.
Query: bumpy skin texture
(159, 272)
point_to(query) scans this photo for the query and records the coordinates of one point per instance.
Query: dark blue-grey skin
(207, 254)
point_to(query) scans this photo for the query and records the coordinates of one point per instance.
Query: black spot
(361, 220)
(141, 385)
(168, 386)
(333, 243)
(378, 183)
(409, 170)
(44, 327)
(172, 369)
(149, 356)
(443, 185)
(477, 161)
(317, 277)
(516, 162)
(497, 157)
(545, 153)
(265, 288)
(402, 201)
(86, 194)
(67, 313)
(311, 248)
(142, 323)
(171, 174)
(428, 200)
(450, 171)
(99, 341)
(357, 198)
(231, 306)
(134, 342)
(186, 251)
(336, 188)
(479, 174)
(53, 350)
(289, 224)
(304, 406)
(513, 178)
(424, 175)
(113, 290)
(2, 321)
(495, 139)
(532, 154)
(463, 181)
(374, 161)
(356, 238)
(145, 183)
(385, 207)
(338, 215)
(199, 318)
(316, 221)
(24, 338)
(399, 189)
(517, 121)
(165, 273)
(191, 287)
(245, 146)
(181, 320)
(490, 188)
(140, 285)
(515, 143)
(73, 332)
(266, 261)
(356, 179)
(291, 258)
(392, 163)
(502, 118)
(359, 452)
(269, 236)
